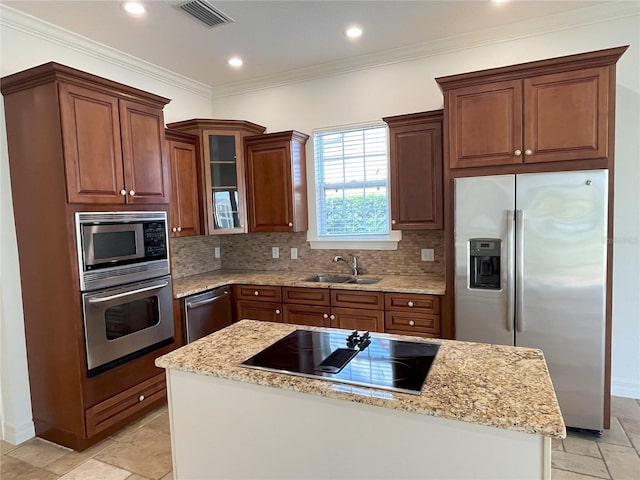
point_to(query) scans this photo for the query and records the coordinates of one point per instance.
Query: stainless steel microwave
(115, 248)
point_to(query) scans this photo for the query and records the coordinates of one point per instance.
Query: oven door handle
(126, 294)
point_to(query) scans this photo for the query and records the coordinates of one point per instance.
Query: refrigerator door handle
(519, 270)
(510, 268)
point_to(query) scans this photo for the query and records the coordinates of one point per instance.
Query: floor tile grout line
(606, 465)
(583, 474)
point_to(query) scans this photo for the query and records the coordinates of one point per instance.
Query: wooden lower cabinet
(120, 407)
(357, 319)
(312, 315)
(265, 311)
(412, 314)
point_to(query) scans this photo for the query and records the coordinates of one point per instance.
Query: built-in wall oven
(123, 260)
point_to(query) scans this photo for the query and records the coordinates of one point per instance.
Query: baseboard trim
(17, 434)
(624, 387)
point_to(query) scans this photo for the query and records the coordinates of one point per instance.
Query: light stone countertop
(193, 284)
(493, 385)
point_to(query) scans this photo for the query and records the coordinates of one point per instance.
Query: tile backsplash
(253, 252)
(193, 255)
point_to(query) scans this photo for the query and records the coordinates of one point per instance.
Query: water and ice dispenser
(484, 263)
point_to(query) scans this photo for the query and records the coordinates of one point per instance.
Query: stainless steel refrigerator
(530, 271)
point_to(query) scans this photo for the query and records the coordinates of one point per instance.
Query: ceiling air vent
(205, 12)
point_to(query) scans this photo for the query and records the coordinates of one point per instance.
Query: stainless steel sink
(363, 281)
(342, 279)
(328, 279)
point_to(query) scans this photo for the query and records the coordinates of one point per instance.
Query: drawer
(410, 302)
(413, 334)
(357, 299)
(119, 407)
(412, 322)
(265, 311)
(261, 293)
(305, 296)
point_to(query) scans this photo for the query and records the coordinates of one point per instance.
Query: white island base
(225, 429)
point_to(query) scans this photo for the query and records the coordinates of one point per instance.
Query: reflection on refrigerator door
(551, 228)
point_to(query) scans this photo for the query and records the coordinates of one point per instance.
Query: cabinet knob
(410, 303)
(277, 311)
(179, 229)
(174, 229)
(411, 323)
(123, 192)
(256, 293)
(332, 317)
(132, 192)
(290, 224)
(393, 222)
(141, 398)
(517, 153)
(326, 315)
(528, 152)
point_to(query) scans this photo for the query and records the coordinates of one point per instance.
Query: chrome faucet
(353, 265)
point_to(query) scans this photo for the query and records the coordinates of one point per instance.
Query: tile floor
(143, 451)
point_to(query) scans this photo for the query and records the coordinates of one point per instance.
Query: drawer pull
(256, 293)
(141, 398)
(410, 303)
(277, 312)
(411, 323)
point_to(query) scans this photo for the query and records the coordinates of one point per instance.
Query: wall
(193, 255)
(370, 94)
(25, 43)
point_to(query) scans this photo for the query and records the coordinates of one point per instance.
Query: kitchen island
(485, 411)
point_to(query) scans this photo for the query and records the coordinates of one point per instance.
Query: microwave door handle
(206, 301)
(126, 294)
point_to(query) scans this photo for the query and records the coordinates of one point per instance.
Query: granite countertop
(493, 385)
(185, 286)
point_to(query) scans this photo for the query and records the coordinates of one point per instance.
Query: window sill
(354, 243)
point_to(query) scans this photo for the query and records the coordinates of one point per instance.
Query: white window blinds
(351, 182)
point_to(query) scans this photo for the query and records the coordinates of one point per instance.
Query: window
(351, 182)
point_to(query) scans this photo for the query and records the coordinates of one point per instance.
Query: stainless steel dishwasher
(207, 312)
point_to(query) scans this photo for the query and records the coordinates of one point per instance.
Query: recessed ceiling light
(353, 32)
(235, 62)
(134, 8)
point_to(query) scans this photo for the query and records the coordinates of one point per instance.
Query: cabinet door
(145, 165)
(356, 319)
(184, 203)
(313, 315)
(265, 311)
(485, 124)
(416, 176)
(224, 182)
(566, 116)
(91, 142)
(269, 188)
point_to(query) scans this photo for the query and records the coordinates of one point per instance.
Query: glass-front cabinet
(222, 178)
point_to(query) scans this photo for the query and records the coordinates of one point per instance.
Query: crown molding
(495, 35)
(30, 25)
(14, 19)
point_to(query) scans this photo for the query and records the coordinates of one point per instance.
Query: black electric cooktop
(350, 357)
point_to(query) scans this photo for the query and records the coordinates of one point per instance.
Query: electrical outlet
(427, 254)
(216, 252)
(275, 252)
(294, 253)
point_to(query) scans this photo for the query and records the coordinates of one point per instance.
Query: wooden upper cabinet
(146, 175)
(554, 110)
(276, 182)
(113, 148)
(415, 146)
(222, 167)
(184, 204)
(92, 150)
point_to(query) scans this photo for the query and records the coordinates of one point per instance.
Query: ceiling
(280, 39)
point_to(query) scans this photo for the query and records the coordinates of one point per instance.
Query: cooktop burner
(365, 359)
